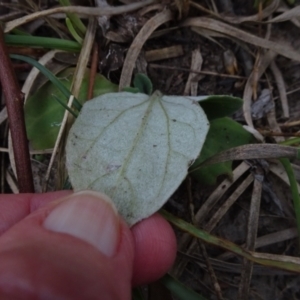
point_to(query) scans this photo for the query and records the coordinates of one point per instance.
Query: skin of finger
(36, 263)
(14, 208)
(155, 245)
(154, 238)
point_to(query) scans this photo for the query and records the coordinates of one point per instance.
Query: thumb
(75, 248)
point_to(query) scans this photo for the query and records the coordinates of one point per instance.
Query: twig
(210, 73)
(290, 124)
(15, 111)
(272, 133)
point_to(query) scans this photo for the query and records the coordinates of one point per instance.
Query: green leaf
(143, 84)
(220, 106)
(43, 114)
(134, 148)
(224, 133)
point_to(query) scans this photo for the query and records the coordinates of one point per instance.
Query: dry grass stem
(138, 43)
(209, 73)
(280, 48)
(281, 89)
(271, 117)
(11, 182)
(3, 115)
(263, 63)
(33, 74)
(252, 227)
(253, 151)
(267, 240)
(287, 16)
(223, 209)
(266, 12)
(191, 86)
(204, 211)
(81, 10)
(164, 53)
(75, 88)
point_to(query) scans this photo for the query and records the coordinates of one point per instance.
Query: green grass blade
(45, 71)
(66, 106)
(73, 31)
(290, 264)
(179, 290)
(77, 23)
(291, 142)
(43, 42)
(77, 104)
(294, 189)
(49, 75)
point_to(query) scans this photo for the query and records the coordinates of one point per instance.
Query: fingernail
(89, 216)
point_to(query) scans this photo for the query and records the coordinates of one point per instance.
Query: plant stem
(15, 110)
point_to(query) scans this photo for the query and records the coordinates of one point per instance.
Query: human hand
(66, 245)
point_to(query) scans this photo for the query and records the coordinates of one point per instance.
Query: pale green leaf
(135, 148)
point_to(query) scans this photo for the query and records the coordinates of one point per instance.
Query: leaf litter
(223, 208)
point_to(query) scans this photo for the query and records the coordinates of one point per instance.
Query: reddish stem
(15, 111)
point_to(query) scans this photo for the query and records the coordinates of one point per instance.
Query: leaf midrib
(152, 99)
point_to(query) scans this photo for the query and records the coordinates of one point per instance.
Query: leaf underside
(135, 148)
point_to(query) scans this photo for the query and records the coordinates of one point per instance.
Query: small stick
(156, 66)
(290, 124)
(15, 110)
(273, 133)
